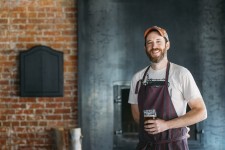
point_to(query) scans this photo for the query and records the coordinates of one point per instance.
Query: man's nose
(153, 45)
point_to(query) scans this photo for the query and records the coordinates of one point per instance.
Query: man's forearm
(192, 117)
(135, 112)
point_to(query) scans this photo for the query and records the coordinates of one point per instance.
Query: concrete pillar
(212, 49)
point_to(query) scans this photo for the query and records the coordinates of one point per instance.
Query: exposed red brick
(53, 117)
(62, 111)
(25, 121)
(3, 21)
(44, 111)
(54, 105)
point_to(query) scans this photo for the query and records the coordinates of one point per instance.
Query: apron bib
(157, 97)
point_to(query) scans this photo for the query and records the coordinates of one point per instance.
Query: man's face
(156, 46)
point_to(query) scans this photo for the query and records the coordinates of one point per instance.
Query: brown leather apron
(155, 96)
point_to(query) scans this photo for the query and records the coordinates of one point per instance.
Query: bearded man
(167, 88)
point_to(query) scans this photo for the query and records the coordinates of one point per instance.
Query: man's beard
(155, 59)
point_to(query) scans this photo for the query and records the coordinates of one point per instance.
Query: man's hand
(158, 125)
(155, 126)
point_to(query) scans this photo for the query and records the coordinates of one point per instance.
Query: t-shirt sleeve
(190, 88)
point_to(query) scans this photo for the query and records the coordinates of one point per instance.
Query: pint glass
(149, 114)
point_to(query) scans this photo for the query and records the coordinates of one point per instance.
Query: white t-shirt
(182, 87)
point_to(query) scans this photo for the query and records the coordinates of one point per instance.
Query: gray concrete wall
(212, 49)
(111, 49)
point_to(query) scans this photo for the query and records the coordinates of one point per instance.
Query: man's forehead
(154, 35)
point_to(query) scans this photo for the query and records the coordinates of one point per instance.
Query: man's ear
(167, 45)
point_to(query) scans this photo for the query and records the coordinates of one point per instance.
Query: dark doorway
(128, 124)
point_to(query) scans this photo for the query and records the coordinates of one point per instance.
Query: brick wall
(25, 123)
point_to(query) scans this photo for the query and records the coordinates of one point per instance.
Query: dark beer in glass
(149, 114)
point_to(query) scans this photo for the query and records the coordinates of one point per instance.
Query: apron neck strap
(167, 72)
(143, 79)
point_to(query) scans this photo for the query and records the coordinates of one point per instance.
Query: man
(167, 88)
